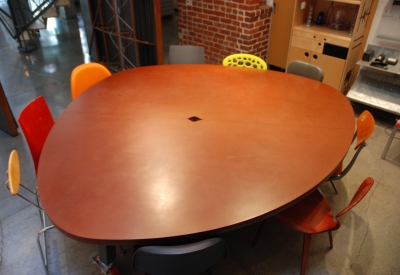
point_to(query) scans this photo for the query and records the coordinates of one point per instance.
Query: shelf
(377, 94)
(325, 31)
(354, 2)
(387, 52)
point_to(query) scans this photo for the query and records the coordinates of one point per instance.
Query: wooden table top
(123, 164)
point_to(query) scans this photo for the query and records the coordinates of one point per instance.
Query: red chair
(395, 129)
(365, 128)
(36, 122)
(313, 215)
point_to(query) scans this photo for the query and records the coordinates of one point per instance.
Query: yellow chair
(245, 60)
(13, 184)
(86, 75)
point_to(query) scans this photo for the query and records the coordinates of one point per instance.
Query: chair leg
(43, 249)
(262, 227)
(334, 187)
(389, 142)
(306, 249)
(330, 239)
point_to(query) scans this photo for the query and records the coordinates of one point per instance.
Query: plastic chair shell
(36, 122)
(365, 127)
(14, 173)
(186, 54)
(301, 68)
(189, 259)
(245, 60)
(85, 76)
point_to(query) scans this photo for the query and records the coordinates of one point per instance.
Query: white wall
(385, 30)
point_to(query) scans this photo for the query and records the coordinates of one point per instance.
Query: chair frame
(13, 179)
(395, 129)
(361, 137)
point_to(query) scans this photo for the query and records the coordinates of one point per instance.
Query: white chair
(185, 54)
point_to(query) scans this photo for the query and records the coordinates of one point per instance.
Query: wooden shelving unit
(335, 51)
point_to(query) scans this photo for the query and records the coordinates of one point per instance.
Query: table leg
(107, 254)
(104, 258)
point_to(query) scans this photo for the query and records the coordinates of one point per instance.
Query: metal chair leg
(43, 249)
(334, 187)
(389, 142)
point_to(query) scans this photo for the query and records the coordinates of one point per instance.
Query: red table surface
(123, 164)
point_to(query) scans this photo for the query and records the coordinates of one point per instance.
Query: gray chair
(188, 259)
(185, 54)
(301, 68)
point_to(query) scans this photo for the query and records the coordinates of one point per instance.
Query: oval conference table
(164, 153)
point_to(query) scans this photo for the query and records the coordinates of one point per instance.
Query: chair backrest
(245, 60)
(301, 68)
(13, 173)
(358, 196)
(189, 259)
(186, 54)
(36, 122)
(365, 128)
(86, 75)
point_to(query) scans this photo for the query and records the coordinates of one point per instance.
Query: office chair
(313, 215)
(396, 128)
(365, 128)
(36, 122)
(186, 54)
(245, 60)
(86, 75)
(13, 183)
(301, 68)
(188, 259)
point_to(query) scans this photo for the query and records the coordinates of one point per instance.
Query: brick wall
(224, 27)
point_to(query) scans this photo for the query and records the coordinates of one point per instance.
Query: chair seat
(311, 215)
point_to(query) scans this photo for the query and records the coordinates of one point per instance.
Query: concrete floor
(368, 243)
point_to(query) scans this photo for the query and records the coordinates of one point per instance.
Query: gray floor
(368, 243)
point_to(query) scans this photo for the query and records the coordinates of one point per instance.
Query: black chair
(188, 259)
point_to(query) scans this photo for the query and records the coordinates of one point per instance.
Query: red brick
(225, 32)
(214, 18)
(226, 21)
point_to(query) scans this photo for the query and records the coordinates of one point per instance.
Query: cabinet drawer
(322, 38)
(307, 43)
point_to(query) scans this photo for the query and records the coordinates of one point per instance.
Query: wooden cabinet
(333, 50)
(279, 36)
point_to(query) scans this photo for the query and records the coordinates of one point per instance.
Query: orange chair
(36, 122)
(13, 184)
(86, 75)
(313, 215)
(245, 60)
(365, 128)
